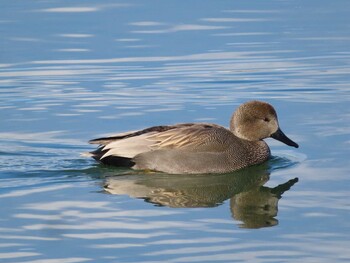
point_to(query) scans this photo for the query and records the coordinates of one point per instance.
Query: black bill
(280, 136)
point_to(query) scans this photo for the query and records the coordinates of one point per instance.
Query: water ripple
(91, 67)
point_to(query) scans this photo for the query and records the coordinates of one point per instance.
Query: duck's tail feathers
(109, 160)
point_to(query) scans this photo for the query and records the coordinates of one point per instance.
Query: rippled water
(74, 70)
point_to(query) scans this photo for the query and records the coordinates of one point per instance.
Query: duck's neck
(237, 131)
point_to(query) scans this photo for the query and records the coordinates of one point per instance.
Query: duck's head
(257, 120)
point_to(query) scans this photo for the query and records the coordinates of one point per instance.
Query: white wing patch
(129, 147)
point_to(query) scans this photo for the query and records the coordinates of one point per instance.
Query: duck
(196, 148)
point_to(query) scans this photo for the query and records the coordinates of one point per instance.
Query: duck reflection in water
(250, 202)
(258, 206)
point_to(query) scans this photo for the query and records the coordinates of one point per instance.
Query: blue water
(71, 71)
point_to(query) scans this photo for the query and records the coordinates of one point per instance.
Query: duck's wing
(194, 137)
(105, 140)
(190, 137)
(120, 136)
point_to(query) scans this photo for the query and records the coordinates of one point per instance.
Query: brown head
(257, 120)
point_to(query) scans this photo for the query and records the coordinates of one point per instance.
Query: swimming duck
(193, 148)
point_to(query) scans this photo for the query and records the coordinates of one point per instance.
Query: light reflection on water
(69, 72)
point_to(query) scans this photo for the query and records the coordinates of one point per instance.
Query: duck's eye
(266, 119)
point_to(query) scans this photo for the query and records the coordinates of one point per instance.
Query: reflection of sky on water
(221, 77)
(72, 70)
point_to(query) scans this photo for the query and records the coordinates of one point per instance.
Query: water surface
(73, 71)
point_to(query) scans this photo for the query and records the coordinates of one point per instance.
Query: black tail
(111, 160)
